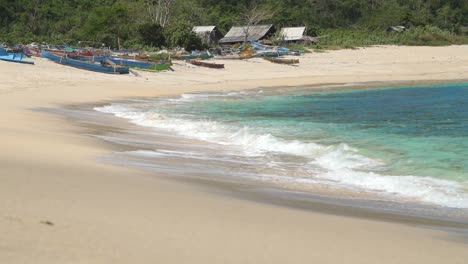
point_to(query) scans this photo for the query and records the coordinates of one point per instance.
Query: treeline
(130, 23)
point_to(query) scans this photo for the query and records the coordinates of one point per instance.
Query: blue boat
(267, 51)
(13, 57)
(86, 65)
(124, 62)
(116, 60)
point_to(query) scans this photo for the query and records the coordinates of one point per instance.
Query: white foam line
(341, 163)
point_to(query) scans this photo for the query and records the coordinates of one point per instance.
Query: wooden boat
(143, 58)
(86, 65)
(229, 57)
(282, 60)
(201, 56)
(267, 53)
(60, 52)
(207, 64)
(155, 66)
(31, 51)
(125, 62)
(246, 53)
(238, 56)
(13, 57)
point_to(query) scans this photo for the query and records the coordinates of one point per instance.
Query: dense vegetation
(129, 22)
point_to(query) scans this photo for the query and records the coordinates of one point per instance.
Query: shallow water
(407, 143)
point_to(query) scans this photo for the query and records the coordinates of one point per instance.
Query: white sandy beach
(58, 204)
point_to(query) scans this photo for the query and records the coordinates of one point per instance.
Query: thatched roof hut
(208, 34)
(237, 34)
(296, 34)
(292, 33)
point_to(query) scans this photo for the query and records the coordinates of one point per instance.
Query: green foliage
(417, 36)
(107, 24)
(180, 34)
(152, 34)
(347, 23)
(431, 36)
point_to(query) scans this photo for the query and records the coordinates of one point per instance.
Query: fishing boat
(268, 51)
(246, 52)
(159, 66)
(241, 55)
(282, 60)
(155, 66)
(230, 57)
(61, 52)
(207, 64)
(266, 54)
(30, 51)
(86, 65)
(13, 57)
(143, 58)
(194, 55)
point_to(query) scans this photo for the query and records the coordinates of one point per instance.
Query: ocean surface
(401, 144)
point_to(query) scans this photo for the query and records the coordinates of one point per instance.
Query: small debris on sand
(47, 222)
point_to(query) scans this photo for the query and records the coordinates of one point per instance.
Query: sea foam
(340, 163)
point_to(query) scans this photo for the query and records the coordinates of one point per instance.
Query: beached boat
(159, 66)
(31, 51)
(269, 51)
(155, 66)
(229, 57)
(282, 60)
(195, 55)
(242, 55)
(13, 57)
(144, 58)
(86, 65)
(62, 52)
(246, 52)
(207, 64)
(266, 53)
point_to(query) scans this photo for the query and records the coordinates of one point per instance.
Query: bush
(181, 35)
(314, 31)
(431, 36)
(416, 36)
(152, 35)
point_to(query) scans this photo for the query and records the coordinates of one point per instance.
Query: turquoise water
(415, 131)
(409, 141)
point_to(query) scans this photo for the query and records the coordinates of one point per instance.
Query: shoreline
(58, 204)
(329, 199)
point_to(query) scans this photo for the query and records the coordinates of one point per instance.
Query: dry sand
(59, 205)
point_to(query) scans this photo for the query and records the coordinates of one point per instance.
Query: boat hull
(160, 66)
(13, 57)
(282, 61)
(85, 65)
(207, 64)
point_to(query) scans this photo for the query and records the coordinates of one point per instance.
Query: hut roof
(203, 29)
(208, 34)
(292, 33)
(237, 34)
